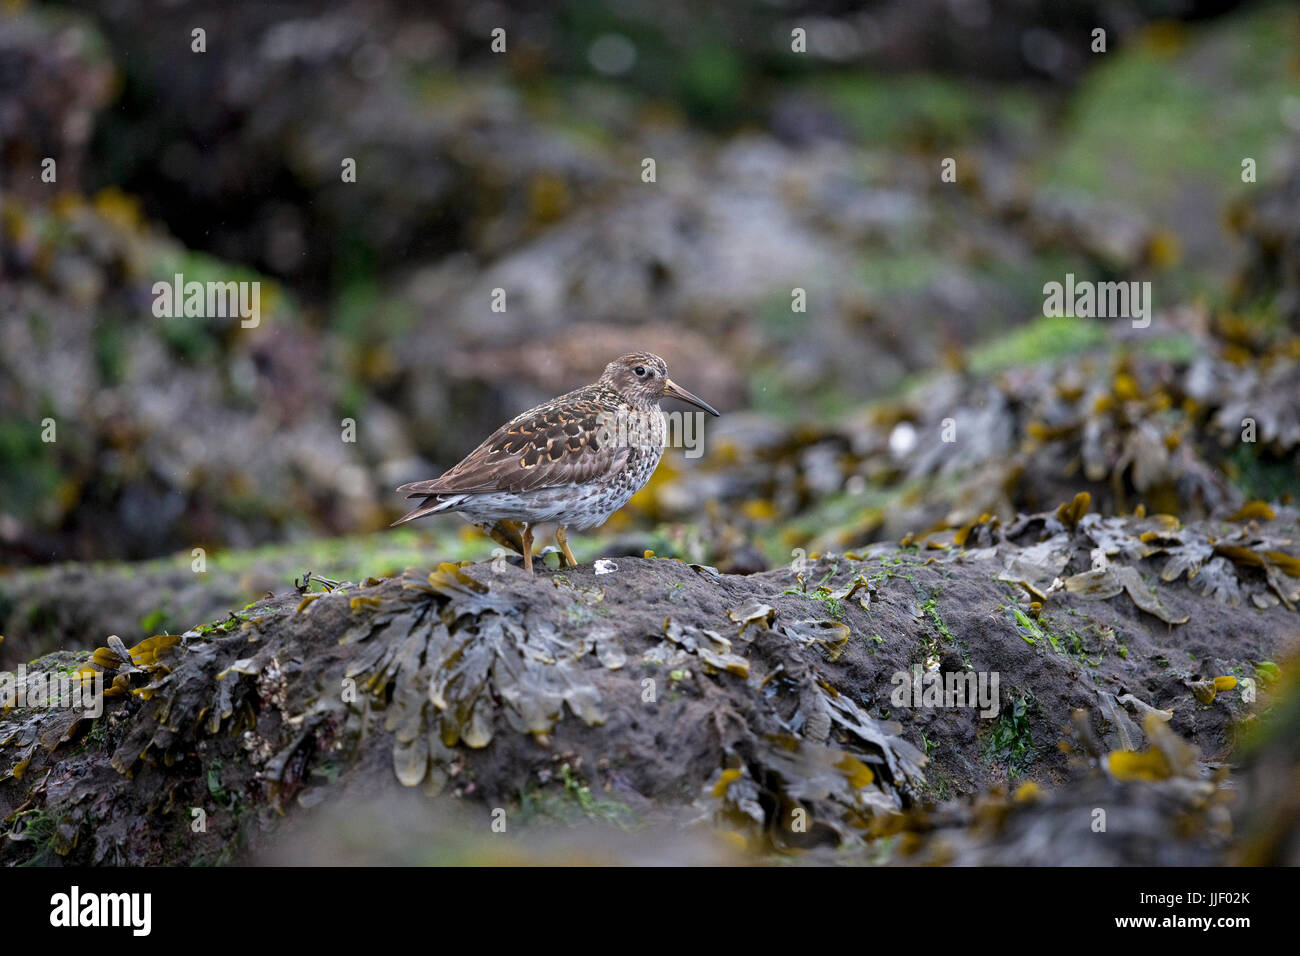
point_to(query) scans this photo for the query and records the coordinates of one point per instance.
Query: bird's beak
(674, 390)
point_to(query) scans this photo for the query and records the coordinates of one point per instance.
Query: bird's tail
(430, 506)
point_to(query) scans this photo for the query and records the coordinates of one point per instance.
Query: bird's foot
(566, 556)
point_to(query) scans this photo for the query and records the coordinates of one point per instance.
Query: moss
(109, 350)
(904, 272)
(1259, 474)
(574, 804)
(29, 469)
(841, 520)
(1206, 97)
(1075, 646)
(37, 828)
(155, 622)
(361, 313)
(1051, 338)
(938, 784)
(1010, 742)
(773, 393)
(1043, 339)
(95, 738)
(355, 557)
(712, 81)
(925, 110)
(197, 340)
(931, 609)
(218, 792)
(1153, 100)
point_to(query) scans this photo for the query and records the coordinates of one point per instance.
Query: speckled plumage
(574, 460)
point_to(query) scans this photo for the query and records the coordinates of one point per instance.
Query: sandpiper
(574, 460)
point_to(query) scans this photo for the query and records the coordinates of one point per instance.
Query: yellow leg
(528, 548)
(562, 539)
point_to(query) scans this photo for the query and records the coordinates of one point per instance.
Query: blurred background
(776, 170)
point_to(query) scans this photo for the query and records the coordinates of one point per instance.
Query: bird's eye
(640, 370)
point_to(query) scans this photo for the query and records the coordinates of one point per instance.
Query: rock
(735, 705)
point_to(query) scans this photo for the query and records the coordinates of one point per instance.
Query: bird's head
(642, 379)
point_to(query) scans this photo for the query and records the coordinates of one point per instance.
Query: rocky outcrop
(786, 710)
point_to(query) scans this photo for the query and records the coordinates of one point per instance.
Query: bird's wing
(555, 444)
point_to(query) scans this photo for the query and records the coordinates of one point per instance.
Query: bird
(574, 460)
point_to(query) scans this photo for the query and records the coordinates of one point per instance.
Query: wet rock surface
(664, 694)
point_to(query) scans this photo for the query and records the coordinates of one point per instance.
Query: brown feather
(428, 506)
(554, 444)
